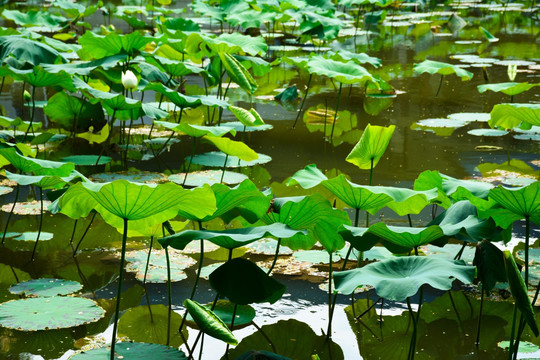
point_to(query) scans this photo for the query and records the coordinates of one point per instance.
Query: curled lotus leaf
(437, 67)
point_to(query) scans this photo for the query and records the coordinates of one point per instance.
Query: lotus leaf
(27, 53)
(315, 256)
(157, 267)
(490, 264)
(345, 72)
(38, 77)
(470, 117)
(243, 282)
(210, 177)
(371, 146)
(138, 325)
(48, 313)
(508, 88)
(86, 160)
(46, 287)
(239, 127)
(133, 351)
(184, 101)
(44, 181)
(399, 278)
(217, 159)
(197, 130)
(209, 322)
(238, 73)
(519, 203)
(509, 116)
(37, 166)
(436, 67)
(225, 43)
(33, 235)
(97, 46)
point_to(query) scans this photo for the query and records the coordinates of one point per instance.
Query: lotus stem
(40, 224)
(170, 136)
(108, 138)
(73, 232)
(460, 252)
(144, 279)
(119, 292)
(527, 234)
(232, 326)
(190, 159)
(224, 167)
(512, 332)
(412, 348)
(480, 317)
(169, 294)
(410, 220)
(85, 231)
(336, 114)
(331, 305)
(202, 346)
(275, 257)
(440, 85)
(303, 101)
(261, 331)
(521, 327)
(17, 189)
(368, 309)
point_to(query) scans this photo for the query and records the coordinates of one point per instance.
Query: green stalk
(73, 233)
(40, 224)
(527, 233)
(144, 279)
(224, 167)
(108, 137)
(440, 85)
(84, 234)
(336, 114)
(232, 326)
(169, 294)
(119, 292)
(330, 307)
(190, 159)
(303, 101)
(480, 317)
(11, 212)
(275, 257)
(512, 332)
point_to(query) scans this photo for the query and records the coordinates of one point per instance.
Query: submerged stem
(40, 223)
(336, 113)
(119, 292)
(17, 189)
(303, 101)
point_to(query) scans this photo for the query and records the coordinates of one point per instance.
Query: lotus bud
(129, 80)
(26, 96)
(512, 71)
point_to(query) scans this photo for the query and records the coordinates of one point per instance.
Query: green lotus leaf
(260, 67)
(7, 122)
(246, 117)
(33, 235)
(215, 13)
(359, 238)
(508, 88)
(509, 116)
(520, 203)
(243, 282)
(155, 270)
(27, 53)
(174, 68)
(224, 309)
(184, 101)
(322, 24)
(210, 177)
(181, 24)
(138, 325)
(135, 176)
(245, 200)
(143, 205)
(49, 313)
(197, 130)
(406, 237)
(436, 67)
(488, 35)
(399, 278)
(371, 146)
(235, 43)
(39, 77)
(519, 291)
(73, 9)
(291, 338)
(209, 322)
(97, 137)
(313, 213)
(238, 73)
(231, 238)
(315, 256)
(87, 160)
(36, 166)
(462, 219)
(45, 287)
(345, 72)
(487, 132)
(45, 181)
(233, 148)
(35, 18)
(489, 261)
(524, 346)
(10, 275)
(133, 351)
(361, 58)
(97, 46)
(250, 18)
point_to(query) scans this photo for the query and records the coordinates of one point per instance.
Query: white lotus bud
(512, 71)
(26, 96)
(129, 80)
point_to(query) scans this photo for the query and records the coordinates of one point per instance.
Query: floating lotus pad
(515, 62)
(46, 287)
(133, 351)
(267, 247)
(87, 160)
(487, 132)
(27, 208)
(32, 236)
(217, 159)
(315, 256)
(195, 247)
(478, 60)
(239, 127)
(534, 137)
(207, 270)
(5, 190)
(55, 312)
(157, 268)
(524, 347)
(470, 117)
(441, 123)
(534, 256)
(145, 177)
(199, 178)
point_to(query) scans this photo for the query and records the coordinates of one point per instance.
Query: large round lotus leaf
(239, 127)
(157, 268)
(533, 137)
(268, 247)
(399, 278)
(133, 351)
(487, 132)
(515, 62)
(243, 282)
(224, 310)
(315, 256)
(87, 160)
(5, 190)
(48, 313)
(445, 123)
(46, 287)
(32, 236)
(217, 159)
(199, 178)
(27, 208)
(534, 256)
(145, 177)
(479, 60)
(137, 325)
(261, 355)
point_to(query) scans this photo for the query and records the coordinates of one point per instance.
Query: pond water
(301, 316)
